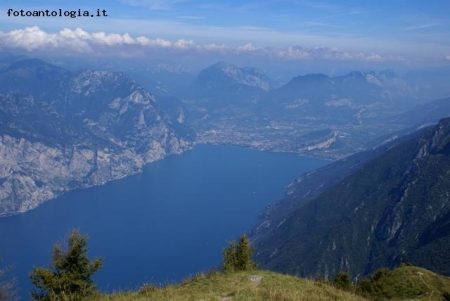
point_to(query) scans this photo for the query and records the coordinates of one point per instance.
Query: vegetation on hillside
(392, 210)
(69, 275)
(69, 279)
(244, 285)
(402, 283)
(405, 282)
(238, 257)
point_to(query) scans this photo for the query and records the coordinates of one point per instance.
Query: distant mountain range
(61, 130)
(385, 202)
(225, 84)
(380, 208)
(313, 114)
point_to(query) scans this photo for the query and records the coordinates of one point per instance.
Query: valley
(313, 115)
(191, 204)
(316, 132)
(61, 131)
(64, 130)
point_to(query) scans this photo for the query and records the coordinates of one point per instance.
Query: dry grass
(237, 286)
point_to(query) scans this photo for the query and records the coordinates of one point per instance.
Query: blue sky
(412, 32)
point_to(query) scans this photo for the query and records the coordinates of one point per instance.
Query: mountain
(61, 130)
(427, 113)
(223, 84)
(224, 74)
(355, 98)
(221, 103)
(33, 76)
(394, 208)
(313, 114)
(309, 186)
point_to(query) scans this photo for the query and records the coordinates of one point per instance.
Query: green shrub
(238, 257)
(342, 281)
(69, 275)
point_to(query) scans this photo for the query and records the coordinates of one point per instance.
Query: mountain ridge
(377, 216)
(77, 130)
(312, 114)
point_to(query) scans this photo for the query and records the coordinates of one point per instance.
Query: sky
(410, 33)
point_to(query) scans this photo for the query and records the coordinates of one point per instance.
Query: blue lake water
(160, 226)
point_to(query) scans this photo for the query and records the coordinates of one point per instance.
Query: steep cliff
(61, 130)
(395, 208)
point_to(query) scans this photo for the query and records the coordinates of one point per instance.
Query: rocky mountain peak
(87, 128)
(95, 80)
(381, 78)
(247, 76)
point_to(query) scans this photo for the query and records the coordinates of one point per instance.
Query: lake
(160, 226)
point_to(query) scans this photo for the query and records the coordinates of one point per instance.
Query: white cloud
(81, 42)
(447, 57)
(78, 40)
(185, 44)
(247, 48)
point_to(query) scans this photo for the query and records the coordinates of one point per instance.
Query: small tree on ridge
(238, 257)
(69, 275)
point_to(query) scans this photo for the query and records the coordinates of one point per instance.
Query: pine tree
(69, 275)
(229, 258)
(244, 253)
(238, 257)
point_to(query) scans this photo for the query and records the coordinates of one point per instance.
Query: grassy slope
(403, 283)
(413, 283)
(238, 286)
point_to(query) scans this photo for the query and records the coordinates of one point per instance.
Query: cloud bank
(80, 42)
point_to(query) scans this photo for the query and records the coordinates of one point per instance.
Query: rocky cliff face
(60, 131)
(223, 73)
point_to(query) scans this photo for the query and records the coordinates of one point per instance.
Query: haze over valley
(65, 130)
